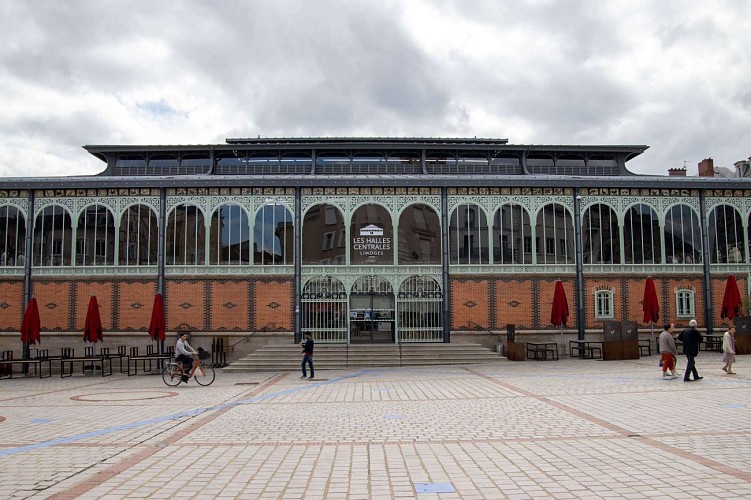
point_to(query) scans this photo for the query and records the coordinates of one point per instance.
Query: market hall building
(366, 240)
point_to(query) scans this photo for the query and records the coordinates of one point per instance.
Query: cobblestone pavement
(556, 429)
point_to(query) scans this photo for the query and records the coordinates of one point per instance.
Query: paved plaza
(554, 429)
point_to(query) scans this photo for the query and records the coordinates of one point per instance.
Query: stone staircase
(275, 357)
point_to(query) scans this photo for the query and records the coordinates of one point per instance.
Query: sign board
(611, 331)
(371, 244)
(742, 325)
(629, 330)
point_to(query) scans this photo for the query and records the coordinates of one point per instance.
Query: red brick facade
(266, 304)
(206, 305)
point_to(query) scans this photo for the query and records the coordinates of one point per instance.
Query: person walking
(728, 350)
(691, 339)
(668, 350)
(307, 355)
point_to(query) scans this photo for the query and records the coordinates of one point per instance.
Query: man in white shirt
(185, 354)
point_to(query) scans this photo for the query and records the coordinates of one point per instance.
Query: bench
(645, 345)
(539, 351)
(7, 362)
(95, 361)
(134, 358)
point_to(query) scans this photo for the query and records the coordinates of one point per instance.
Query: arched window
(273, 236)
(682, 236)
(229, 236)
(468, 235)
(53, 237)
(12, 237)
(139, 233)
(186, 236)
(641, 235)
(321, 229)
(512, 235)
(725, 235)
(601, 236)
(419, 236)
(372, 236)
(555, 232)
(95, 237)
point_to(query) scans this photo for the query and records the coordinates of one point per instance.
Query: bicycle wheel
(204, 374)
(172, 374)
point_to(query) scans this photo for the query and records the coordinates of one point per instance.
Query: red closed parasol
(31, 325)
(731, 302)
(92, 328)
(559, 311)
(157, 325)
(650, 305)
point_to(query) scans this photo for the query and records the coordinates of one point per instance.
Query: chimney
(706, 168)
(677, 172)
(743, 168)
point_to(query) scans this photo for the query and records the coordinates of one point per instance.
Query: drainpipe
(579, 257)
(161, 239)
(705, 262)
(161, 244)
(297, 287)
(27, 290)
(445, 264)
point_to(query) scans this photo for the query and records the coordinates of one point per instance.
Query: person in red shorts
(669, 351)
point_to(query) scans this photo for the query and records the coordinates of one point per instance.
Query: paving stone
(565, 429)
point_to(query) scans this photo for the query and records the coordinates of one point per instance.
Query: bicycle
(173, 372)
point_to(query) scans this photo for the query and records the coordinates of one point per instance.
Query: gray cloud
(672, 75)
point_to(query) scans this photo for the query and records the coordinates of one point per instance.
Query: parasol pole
(652, 326)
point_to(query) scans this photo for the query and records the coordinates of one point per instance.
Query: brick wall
(495, 302)
(135, 302)
(267, 304)
(125, 305)
(11, 305)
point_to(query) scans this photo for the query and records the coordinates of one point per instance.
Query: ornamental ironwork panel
(395, 275)
(324, 310)
(418, 305)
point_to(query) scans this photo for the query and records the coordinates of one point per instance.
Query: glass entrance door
(371, 318)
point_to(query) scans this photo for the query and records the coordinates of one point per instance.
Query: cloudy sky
(673, 75)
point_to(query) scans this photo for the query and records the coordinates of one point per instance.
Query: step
(339, 356)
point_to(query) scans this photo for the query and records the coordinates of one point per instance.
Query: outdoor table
(585, 349)
(134, 357)
(713, 343)
(539, 351)
(119, 355)
(7, 362)
(94, 361)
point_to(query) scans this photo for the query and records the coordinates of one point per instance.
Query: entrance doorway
(372, 311)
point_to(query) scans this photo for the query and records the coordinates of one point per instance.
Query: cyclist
(186, 355)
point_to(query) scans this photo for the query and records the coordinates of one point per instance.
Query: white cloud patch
(671, 74)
